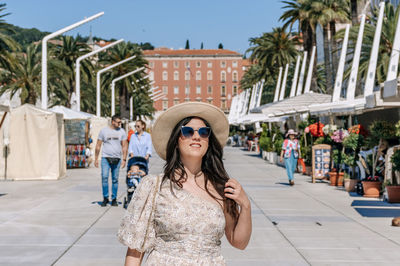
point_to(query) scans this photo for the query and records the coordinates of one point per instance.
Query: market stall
(37, 146)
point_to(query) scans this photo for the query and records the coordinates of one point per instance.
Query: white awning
(69, 113)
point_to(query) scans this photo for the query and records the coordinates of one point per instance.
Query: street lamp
(78, 73)
(113, 87)
(44, 52)
(98, 107)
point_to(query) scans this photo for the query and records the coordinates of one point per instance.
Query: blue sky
(161, 22)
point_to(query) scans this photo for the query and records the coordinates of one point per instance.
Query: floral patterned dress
(181, 230)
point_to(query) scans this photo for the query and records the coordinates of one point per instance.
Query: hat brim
(166, 122)
(292, 133)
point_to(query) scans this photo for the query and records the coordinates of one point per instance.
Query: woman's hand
(233, 190)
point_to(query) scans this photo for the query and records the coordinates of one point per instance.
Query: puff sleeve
(137, 226)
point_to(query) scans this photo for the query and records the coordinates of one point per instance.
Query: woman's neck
(192, 168)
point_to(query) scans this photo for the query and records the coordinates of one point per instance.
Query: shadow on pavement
(283, 184)
(99, 203)
(375, 212)
(373, 203)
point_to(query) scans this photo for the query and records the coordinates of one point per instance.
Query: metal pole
(351, 88)
(282, 94)
(302, 73)
(278, 85)
(98, 107)
(339, 75)
(113, 86)
(394, 57)
(78, 72)
(370, 81)
(131, 108)
(296, 73)
(44, 53)
(310, 70)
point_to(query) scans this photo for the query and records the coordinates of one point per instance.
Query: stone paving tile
(315, 224)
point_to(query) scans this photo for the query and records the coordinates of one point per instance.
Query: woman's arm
(133, 257)
(238, 234)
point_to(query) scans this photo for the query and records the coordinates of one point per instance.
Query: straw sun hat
(166, 122)
(291, 132)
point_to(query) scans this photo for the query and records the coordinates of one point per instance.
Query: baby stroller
(133, 177)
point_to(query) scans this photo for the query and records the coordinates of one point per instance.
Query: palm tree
(24, 74)
(67, 52)
(128, 86)
(272, 50)
(7, 44)
(385, 47)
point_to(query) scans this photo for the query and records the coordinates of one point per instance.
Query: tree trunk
(334, 46)
(354, 13)
(327, 61)
(123, 93)
(314, 74)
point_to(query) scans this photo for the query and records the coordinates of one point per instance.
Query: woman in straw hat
(180, 216)
(290, 151)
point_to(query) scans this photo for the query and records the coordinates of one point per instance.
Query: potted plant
(392, 186)
(337, 137)
(372, 187)
(349, 183)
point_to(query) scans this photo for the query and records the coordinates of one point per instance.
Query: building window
(235, 90)
(234, 64)
(235, 76)
(223, 64)
(176, 101)
(209, 75)
(151, 75)
(187, 90)
(223, 104)
(209, 89)
(176, 90)
(176, 64)
(176, 75)
(198, 75)
(165, 105)
(223, 76)
(165, 75)
(164, 64)
(198, 64)
(187, 75)
(209, 64)
(165, 90)
(210, 100)
(223, 91)
(151, 64)
(187, 64)
(198, 89)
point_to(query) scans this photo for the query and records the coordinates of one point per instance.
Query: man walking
(115, 145)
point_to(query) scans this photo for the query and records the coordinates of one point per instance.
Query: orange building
(210, 76)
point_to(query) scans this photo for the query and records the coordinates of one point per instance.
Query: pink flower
(307, 130)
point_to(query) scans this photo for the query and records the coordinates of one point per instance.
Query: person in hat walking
(179, 217)
(290, 152)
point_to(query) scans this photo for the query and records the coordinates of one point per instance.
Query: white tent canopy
(37, 145)
(69, 113)
(338, 108)
(295, 105)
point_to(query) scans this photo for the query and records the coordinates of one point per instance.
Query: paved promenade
(61, 223)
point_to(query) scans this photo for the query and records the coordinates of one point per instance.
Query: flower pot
(264, 155)
(339, 180)
(273, 158)
(393, 194)
(371, 189)
(350, 185)
(333, 176)
(268, 156)
(308, 170)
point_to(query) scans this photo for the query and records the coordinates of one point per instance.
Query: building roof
(165, 52)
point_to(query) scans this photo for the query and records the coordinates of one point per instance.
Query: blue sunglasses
(188, 132)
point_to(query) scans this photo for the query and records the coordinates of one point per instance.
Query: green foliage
(382, 130)
(324, 140)
(395, 160)
(278, 144)
(220, 46)
(350, 159)
(353, 141)
(266, 144)
(306, 153)
(187, 45)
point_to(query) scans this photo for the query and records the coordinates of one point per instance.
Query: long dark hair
(211, 166)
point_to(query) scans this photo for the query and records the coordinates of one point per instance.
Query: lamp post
(98, 107)
(44, 53)
(78, 73)
(113, 87)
